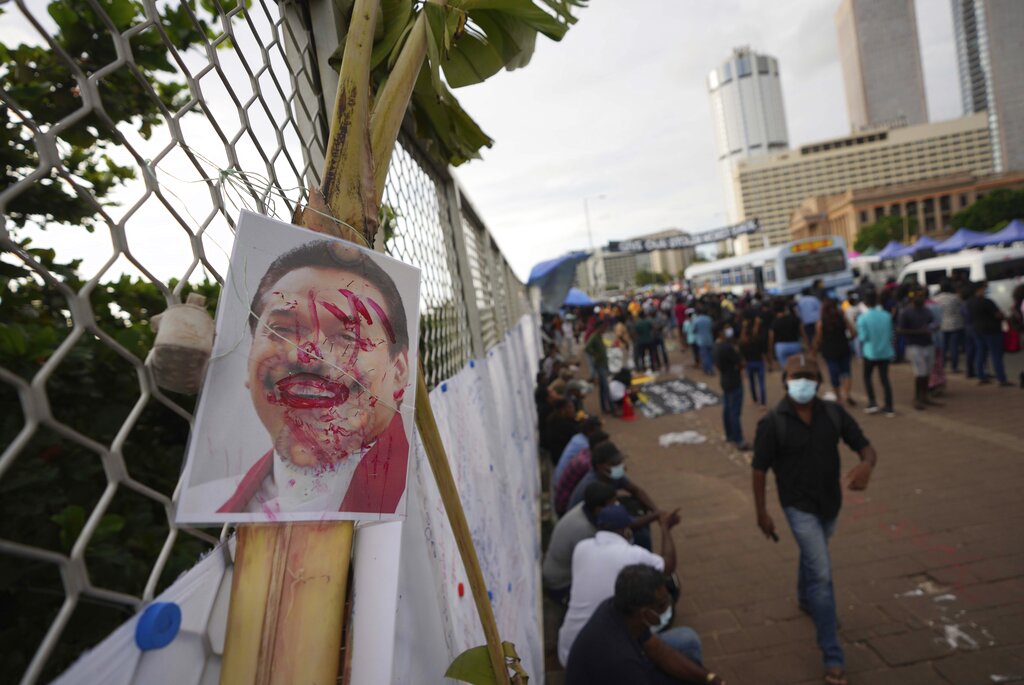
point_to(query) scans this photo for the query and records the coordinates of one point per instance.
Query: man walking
(874, 332)
(916, 326)
(799, 441)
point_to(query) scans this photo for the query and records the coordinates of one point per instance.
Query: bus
(785, 269)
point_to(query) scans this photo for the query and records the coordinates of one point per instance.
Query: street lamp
(591, 273)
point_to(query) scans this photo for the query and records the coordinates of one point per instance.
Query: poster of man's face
(306, 409)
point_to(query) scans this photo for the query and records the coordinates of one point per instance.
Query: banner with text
(679, 242)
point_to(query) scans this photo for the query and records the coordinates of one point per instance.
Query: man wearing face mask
(799, 441)
(596, 563)
(619, 645)
(607, 465)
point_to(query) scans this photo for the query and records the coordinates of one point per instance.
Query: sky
(615, 115)
(619, 108)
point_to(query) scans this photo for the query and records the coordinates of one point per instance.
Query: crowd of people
(617, 593)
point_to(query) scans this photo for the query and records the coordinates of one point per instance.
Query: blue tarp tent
(922, 243)
(1013, 232)
(961, 240)
(891, 251)
(578, 298)
(554, 277)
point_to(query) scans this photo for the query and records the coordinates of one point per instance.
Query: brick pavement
(928, 562)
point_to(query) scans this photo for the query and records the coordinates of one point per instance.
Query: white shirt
(595, 566)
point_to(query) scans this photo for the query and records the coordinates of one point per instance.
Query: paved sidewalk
(928, 562)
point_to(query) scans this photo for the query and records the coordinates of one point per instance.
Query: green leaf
(109, 525)
(71, 521)
(394, 20)
(523, 10)
(12, 340)
(472, 666)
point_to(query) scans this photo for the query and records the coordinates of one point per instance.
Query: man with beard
(327, 372)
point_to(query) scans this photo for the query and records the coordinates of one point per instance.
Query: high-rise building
(748, 114)
(991, 59)
(881, 62)
(772, 187)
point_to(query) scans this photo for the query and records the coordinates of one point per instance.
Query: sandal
(836, 676)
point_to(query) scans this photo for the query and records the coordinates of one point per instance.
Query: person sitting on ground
(579, 523)
(577, 443)
(596, 563)
(573, 472)
(619, 643)
(561, 426)
(608, 466)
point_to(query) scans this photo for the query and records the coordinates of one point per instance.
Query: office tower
(881, 63)
(990, 52)
(748, 114)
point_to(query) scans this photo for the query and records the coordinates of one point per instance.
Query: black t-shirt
(984, 316)
(558, 434)
(755, 346)
(786, 328)
(604, 653)
(727, 360)
(834, 343)
(914, 318)
(807, 466)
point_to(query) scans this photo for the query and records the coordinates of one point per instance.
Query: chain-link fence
(133, 131)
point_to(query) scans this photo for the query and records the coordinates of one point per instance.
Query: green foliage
(53, 486)
(878, 234)
(47, 90)
(474, 666)
(992, 212)
(644, 277)
(468, 41)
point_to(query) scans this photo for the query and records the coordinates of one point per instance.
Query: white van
(1003, 268)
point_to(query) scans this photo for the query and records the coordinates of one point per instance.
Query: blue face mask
(616, 472)
(802, 390)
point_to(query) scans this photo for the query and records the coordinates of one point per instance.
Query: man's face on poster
(321, 373)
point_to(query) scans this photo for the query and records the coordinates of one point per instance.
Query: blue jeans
(970, 352)
(785, 350)
(952, 341)
(707, 360)
(985, 345)
(732, 406)
(814, 585)
(685, 641)
(603, 391)
(755, 371)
